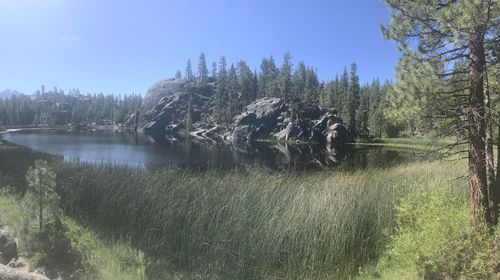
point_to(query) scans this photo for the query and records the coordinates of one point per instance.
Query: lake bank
(69, 127)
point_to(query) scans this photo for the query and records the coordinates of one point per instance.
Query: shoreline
(68, 128)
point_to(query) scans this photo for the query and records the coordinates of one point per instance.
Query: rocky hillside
(171, 105)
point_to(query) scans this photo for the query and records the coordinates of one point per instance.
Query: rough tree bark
(495, 192)
(490, 166)
(478, 186)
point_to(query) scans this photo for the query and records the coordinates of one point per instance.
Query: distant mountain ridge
(8, 93)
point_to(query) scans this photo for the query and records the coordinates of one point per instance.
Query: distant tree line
(365, 108)
(54, 107)
(236, 85)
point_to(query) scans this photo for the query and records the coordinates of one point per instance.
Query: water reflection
(140, 150)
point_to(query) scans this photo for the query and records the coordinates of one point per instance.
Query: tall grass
(248, 224)
(417, 143)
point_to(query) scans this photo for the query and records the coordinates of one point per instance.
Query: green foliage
(438, 26)
(178, 74)
(69, 250)
(51, 249)
(221, 91)
(353, 97)
(188, 122)
(233, 103)
(436, 235)
(188, 73)
(41, 198)
(245, 224)
(202, 70)
(268, 85)
(299, 80)
(103, 259)
(58, 108)
(311, 86)
(415, 98)
(285, 77)
(247, 83)
(362, 114)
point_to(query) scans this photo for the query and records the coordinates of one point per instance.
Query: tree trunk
(490, 167)
(495, 192)
(40, 217)
(478, 188)
(40, 203)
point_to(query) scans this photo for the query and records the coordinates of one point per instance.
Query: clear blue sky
(122, 46)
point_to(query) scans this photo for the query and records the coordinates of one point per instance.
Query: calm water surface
(140, 150)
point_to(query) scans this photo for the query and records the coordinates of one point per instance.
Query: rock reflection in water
(149, 151)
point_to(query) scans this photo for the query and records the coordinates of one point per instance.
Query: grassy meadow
(250, 224)
(170, 223)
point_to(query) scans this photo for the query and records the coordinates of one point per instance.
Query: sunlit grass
(418, 143)
(249, 224)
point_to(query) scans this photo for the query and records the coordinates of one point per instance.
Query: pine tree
(353, 98)
(299, 81)
(376, 121)
(285, 77)
(188, 122)
(362, 112)
(221, 91)
(202, 70)
(214, 70)
(41, 194)
(189, 73)
(269, 78)
(246, 83)
(343, 92)
(448, 32)
(311, 86)
(233, 92)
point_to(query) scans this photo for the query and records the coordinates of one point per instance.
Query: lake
(146, 151)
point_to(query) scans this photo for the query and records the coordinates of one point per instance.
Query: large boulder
(166, 105)
(272, 118)
(258, 120)
(336, 134)
(319, 131)
(8, 247)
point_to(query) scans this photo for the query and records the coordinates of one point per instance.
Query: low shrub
(436, 236)
(50, 249)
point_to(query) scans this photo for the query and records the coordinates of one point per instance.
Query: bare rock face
(336, 134)
(259, 120)
(165, 106)
(271, 118)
